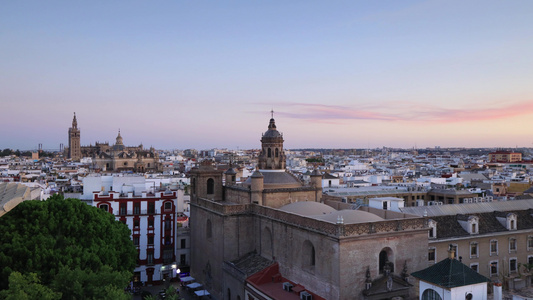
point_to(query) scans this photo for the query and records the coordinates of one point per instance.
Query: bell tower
(272, 156)
(74, 148)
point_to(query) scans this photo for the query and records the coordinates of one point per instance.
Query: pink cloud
(401, 111)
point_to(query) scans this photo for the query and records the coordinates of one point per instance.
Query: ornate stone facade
(117, 157)
(74, 148)
(332, 260)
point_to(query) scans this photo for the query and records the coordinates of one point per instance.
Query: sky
(205, 74)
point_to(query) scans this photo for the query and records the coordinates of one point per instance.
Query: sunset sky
(204, 74)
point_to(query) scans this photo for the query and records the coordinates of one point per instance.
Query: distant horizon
(189, 74)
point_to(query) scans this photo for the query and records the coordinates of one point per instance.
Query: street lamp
(161, 270)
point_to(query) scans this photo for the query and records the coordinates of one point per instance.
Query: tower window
(269, 152)
(210, 186)
(277, 152)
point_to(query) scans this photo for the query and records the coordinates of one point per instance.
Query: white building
(150, 213)
(386, 203)
(450, 279)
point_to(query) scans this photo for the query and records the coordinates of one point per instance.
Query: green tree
(22, 287)
(75, 249)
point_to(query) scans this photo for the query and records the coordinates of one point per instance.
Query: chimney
(497, 290)
(451, 253)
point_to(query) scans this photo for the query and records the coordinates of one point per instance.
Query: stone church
(272, 221)
(116, 158)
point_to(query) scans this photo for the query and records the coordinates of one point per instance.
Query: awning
(187, 279)
(202, 293)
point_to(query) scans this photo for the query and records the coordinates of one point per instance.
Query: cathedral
(115, 158)
(273, 237)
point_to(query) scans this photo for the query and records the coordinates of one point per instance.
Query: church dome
(275, 179)
(350, 216)
(308, 208)
(272, 132)
(320, 211)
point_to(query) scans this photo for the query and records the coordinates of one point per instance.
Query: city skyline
(348, 74)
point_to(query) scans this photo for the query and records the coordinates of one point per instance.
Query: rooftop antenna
(272, 113)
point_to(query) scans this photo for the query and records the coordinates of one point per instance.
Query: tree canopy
(74, 249)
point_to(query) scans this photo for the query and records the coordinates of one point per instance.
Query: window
(168, 205)
(168, 256)
(512, 265)
(432, 229)
(529, 243)
(430, 294)
(123, 209)
(150, 258)
(431, 255)
(150, 222)
(182, 243)
(474, 228)
(493, 268)
(105, 207)
(512, 225)
(493, 247)
(308, 255)
(512, 245)
(386, 261)
(474, 267)
(269, 152)
(473, 250)
(151, 207)
(277, 152)
(137, 208)
(210, 186)
(136, 240)
(168, 224)
(150, 240)
(136, 223)
(385, 205)
(208, 230)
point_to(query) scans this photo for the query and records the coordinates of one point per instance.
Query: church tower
(74, 148)
(272, 156)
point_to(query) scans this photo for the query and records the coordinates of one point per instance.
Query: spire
(119, 138)
(272, 124)
(74, 121)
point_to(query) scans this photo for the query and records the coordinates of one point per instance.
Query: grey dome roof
(320, 211)
(278, 178)
(308, 208)
(272, 131)
(350, 216)
(230, 171)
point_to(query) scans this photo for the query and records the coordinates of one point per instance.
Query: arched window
(266, 243)
(309, 255)
(210, 186)
(269, 152)
(277, 152)
(386, 260)
(430, 294)
(208, 229)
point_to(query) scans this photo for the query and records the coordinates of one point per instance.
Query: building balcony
(138, 212)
